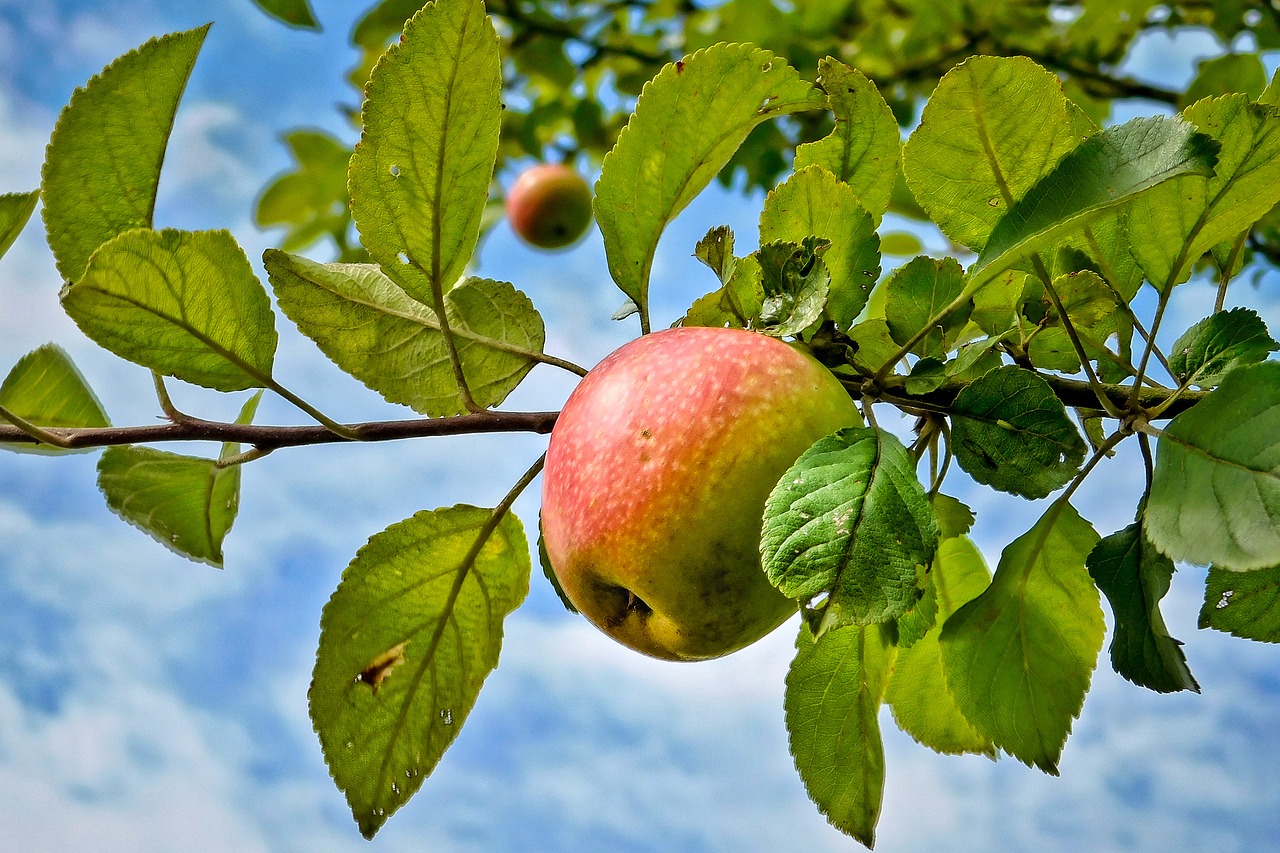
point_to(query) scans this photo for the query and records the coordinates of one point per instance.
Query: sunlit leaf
(834, 689)
(1113, 167)
(914, 299)
(922, 704)
(1019, 657)
(1173, 226)
(813, 203)
(992, 128)
(687, 123)
(380, 335)
(182, 303)
(186, 503)
(1215, 496)
(15, 210)
(864, 148)
(421, 171)
(46, 389)
(406, 643)
(1220, 342)
(103, 162)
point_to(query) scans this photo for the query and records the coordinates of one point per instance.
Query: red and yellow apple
(655, 483)
(549, 206)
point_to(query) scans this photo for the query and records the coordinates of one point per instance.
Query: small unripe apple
(656, 478)
(549, 206)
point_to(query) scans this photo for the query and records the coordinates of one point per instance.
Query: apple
(656, 478)
(549, 206)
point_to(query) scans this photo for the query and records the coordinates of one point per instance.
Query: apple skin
(656, 478)
(549, 206)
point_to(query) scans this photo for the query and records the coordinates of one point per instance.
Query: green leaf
(687, 124)
(923, 706)
(1244, 604)
(15, 210)
(1215, 495)
(549, 572)
(914, 299)
(182, 303)
(928, 374)
(900, 244)
(185, 503)
(874, 345)
(715, 250)
(1220, 342)
(295, 13)
(421, 171)
(1271, 94)
(312, 200)
(850, 519)
(1172, 227)
(954, 518)
(393, 344)
(1113, 167)
(1222, 75)
(1019, 657)
(813, 203)
(1135, 577)
(796, 285)
(1009, 431)
(864, 149)
(992, 128)
(46, 389)
(406, 643)
(834, 689)
(103, 162)
(1086, 298)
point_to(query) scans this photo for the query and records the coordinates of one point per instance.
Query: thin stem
(1070, 329)
(954, 305)
(340, 430)
(1161, 305)
(241, 458)
(1098, 455)
(945, 430)
(1229, 272)
(171, 411)
(1144, 442)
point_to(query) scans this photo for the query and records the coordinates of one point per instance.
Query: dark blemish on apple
(380, 667)
(635, 604)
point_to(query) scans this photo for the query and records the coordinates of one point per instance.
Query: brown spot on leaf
(380, 667)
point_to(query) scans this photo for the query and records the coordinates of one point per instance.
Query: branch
(266, 438)
(1072, 392)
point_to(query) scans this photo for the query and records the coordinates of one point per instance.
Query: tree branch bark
(266, 437)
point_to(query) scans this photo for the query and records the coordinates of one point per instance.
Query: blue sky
(151, 704)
